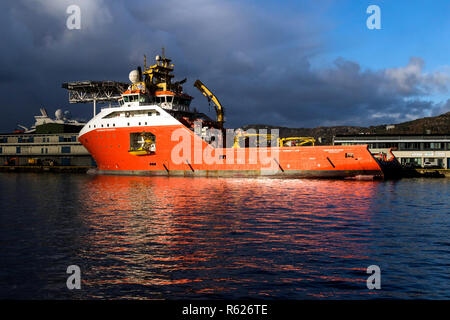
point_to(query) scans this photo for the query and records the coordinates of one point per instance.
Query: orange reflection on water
(204, 232)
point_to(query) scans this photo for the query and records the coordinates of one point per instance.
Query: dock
(56, 169)
(425, 173)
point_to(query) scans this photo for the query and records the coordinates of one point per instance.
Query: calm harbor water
(200, 238)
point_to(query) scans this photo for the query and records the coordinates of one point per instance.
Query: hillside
(324, 135)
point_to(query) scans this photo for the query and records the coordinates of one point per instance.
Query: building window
(410, 145)
(412, 162)
(437, 145)
(66, 139)
(25, 139)
(65, 149)
(65, 161)
(17, 149)
(1, 150)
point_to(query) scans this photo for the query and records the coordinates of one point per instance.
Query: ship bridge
(94, 91)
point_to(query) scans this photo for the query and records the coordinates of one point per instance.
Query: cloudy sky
(290, 63)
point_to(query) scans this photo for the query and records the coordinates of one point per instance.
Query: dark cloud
(256, 60)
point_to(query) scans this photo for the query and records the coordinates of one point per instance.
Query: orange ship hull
(110, 149)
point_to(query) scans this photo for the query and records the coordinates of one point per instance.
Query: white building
(414, 150)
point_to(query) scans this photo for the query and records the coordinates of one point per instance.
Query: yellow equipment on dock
(257, 139)
(296, 141)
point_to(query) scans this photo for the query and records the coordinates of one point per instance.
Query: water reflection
(159, 237)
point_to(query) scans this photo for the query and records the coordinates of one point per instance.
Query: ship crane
(211, 97)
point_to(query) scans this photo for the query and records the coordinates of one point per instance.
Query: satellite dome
(158, 58)
(67, 114)
(59, 114)
(134, 76)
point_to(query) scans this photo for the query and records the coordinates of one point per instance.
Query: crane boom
(211, 97)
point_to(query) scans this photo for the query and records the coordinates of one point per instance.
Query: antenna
(163, 53)
(145, 62)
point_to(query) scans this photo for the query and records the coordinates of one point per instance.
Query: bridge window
(133, 113)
